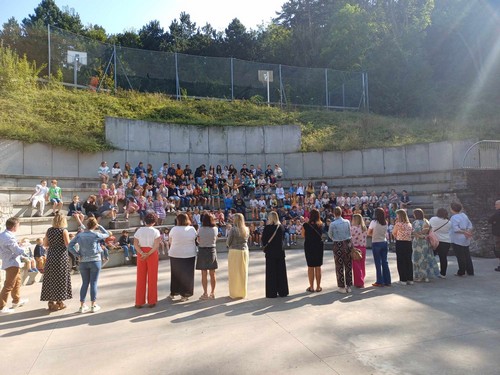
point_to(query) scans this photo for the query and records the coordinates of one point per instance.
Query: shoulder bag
(432, 238)
(264, 247)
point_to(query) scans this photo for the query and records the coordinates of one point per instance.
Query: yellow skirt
(237, 269)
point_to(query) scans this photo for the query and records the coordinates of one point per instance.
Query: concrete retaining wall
(158, 143)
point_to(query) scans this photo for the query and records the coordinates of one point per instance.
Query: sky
(119, 15)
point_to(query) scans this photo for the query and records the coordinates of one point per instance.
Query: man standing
(39, 197)
(495, 229)
(460, 235)
(10, 254)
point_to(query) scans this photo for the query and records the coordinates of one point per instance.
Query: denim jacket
(89, 249)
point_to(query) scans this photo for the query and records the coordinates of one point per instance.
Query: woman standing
(358, 233)
(313, 248)
(182, 254)
(402, 233)
(272, 240)
(340, 233)
(207, 254)
(146, 242)
(56, 286)
(237, 258)
(424, 263)
(377, 230)
(89, 253)
(440, 224)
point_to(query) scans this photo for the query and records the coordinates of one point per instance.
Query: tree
(238, 42)
(152, 36)
(11, 34)
(180, 34)
(48, 13)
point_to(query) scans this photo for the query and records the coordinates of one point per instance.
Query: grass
(74, 119)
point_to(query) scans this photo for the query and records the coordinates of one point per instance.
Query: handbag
(356, 254)
(432, 237)
(433, 240)
(264, 247)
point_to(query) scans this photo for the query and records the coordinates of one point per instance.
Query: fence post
(48, 40)
(281, 87)
(232, 79)
(326, 88)
(115, 67)
(367, 94)
(177, 88)
(364, 90)
(343, 95)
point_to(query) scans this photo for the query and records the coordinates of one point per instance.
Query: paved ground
(445, 327)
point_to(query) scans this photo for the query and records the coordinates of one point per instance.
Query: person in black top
(312, 232)
(239, 205)
(269, 171)
(244, 171)
(272, 241)
(494, 220)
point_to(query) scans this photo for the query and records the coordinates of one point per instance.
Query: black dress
(276, 278)
(56, 279)
(313, 245)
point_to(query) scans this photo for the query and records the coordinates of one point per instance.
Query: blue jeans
(90, 275)
(127, 248)
(379, 250)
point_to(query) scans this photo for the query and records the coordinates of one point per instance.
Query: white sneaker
(409, 283)
(442, 276)
(427, 280)
(6, 310)
(402, 283)
(21, 302)
(95, 308)
(127, 259)
(83, 309)
(342, 290)
(348, 289)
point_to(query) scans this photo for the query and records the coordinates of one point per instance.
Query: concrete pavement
(447, 326)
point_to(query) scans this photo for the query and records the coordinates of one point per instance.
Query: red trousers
(147, 273)
(358, 268)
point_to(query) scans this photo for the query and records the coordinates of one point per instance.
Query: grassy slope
(75, 120)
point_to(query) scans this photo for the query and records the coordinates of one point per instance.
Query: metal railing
(483, 155)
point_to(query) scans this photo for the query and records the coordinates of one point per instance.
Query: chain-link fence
(89, 63)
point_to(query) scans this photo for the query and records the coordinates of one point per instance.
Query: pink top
(403, 231)
(358, 236)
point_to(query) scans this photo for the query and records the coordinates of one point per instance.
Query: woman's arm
(230, 238)
(66, 237)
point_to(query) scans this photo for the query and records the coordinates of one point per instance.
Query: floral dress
(424, 262)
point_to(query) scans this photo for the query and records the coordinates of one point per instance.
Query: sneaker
(83, 309)
(6, 310)
(95, 308)
(409, 283)
(134, 256)
(342, 290)
(404, 283)
(442, 276)
(427, 280)
(127, 259)
(348, 289)
(377, 285)
(21, 302)
(184, 299)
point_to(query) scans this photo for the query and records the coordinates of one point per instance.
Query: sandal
(204, 296)
(211, 296)
(53, 306)
(60, 305)
(310, 290)
(319, 289)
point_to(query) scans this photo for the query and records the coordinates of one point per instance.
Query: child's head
(39, 241)
(76, 198)
(53, 182)
(104, 186)
(166, 230)
(71, 236)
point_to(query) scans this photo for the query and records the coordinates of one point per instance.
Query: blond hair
(273, 218)
(239, 223)
(59, 221)
(402, 216)
(357, 219)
